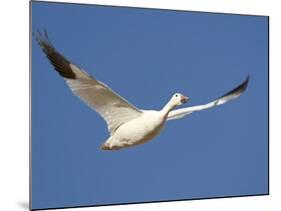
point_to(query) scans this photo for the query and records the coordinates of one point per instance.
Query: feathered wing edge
(60, 63)
(231, 95)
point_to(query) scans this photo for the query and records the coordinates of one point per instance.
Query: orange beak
(184, 99)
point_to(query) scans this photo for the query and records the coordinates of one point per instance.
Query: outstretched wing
(179, 113)
(113, 108)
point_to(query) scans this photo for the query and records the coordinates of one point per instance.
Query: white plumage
(113, 108)
(127, 125)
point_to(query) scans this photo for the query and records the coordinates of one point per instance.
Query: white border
(14, 110)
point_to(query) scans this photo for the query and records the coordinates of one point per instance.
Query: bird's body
(137, 131)
(127, 125)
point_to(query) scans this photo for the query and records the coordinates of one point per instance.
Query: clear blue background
(146, 56)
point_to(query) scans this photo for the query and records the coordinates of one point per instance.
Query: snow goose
(127, 125)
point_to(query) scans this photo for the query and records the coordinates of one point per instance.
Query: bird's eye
(176, 95)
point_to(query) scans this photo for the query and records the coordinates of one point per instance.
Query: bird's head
(178, 99)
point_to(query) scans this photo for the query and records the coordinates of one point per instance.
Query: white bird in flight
(128, 126)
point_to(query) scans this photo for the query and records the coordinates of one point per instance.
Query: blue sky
(147, 55)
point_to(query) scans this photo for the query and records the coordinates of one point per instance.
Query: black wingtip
(244, 85)
(240, 88)
(43, 39)
(60, 63)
